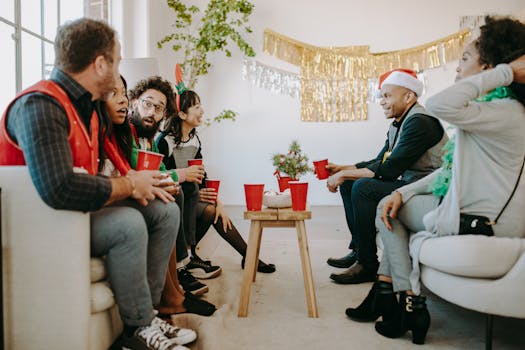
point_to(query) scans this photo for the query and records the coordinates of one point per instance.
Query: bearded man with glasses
(151, 100)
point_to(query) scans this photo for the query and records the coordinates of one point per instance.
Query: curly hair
(502, 40)
(80, 42)
(159, 84)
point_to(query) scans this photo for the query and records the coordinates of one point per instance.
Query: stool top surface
(281, 214)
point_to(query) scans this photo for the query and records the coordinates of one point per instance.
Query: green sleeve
(134, 155)
(162, 167)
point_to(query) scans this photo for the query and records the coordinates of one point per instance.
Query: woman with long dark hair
(180, 143)
(120, 148)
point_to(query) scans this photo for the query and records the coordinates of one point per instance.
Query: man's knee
(363, 188)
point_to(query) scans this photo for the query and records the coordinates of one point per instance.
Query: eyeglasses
(147, 104)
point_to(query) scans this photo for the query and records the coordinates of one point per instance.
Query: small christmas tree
(294, 163)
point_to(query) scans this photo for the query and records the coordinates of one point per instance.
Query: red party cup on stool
(148, 160)
(213, 184)
(320, 169)
(299, 192)
(254, 196)
(283, 183)
(194, 162)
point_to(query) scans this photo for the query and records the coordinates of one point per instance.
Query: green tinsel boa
(440, 186)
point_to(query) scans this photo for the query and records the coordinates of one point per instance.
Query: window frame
(18, 29)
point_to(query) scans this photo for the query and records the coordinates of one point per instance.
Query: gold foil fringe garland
(335, 80)
(287, 83)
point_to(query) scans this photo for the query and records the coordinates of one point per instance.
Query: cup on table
(213, 184)
(299, 192)
(148, 160)
(283, 183)
(194, 162)
(254, 196)
(320, 169)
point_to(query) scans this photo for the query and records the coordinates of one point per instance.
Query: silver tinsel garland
(270, 78)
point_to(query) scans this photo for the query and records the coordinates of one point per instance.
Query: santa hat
(402, 77)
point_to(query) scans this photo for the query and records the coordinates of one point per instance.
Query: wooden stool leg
(257, 252)
(250, 263)
(311, 300)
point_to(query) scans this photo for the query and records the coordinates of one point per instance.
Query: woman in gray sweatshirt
(488, 112)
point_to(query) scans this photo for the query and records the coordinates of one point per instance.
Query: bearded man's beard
(143, 130)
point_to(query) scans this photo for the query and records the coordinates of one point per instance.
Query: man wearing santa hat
(412, 150)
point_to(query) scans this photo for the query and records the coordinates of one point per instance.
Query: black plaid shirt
(40, 127)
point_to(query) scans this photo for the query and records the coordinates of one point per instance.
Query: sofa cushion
(101, 297)
(472, 255)
(97, 269)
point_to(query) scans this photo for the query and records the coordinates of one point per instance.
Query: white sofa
(54, 296)
(485, 274)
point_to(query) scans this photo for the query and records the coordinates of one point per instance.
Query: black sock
(193, 252)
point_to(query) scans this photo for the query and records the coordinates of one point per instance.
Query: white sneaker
(180, 336)
(149, 338)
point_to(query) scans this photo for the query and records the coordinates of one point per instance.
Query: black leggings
(232, 236)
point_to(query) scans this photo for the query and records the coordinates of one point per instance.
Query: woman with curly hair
(481, 180)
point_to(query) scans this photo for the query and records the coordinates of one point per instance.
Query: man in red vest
(55, 128)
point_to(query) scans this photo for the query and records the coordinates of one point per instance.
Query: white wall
(240, 152)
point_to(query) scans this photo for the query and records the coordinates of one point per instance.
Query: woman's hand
(194, 173)
(220, 212)
(208, 195)
(390, 208)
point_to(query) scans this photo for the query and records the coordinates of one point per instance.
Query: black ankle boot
(413, 316)
(380, 301)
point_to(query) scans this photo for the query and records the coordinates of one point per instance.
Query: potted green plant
(294, 163)
(223, 22)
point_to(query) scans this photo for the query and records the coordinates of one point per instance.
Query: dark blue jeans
(360, 200)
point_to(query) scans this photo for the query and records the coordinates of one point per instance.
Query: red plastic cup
(254, 196)
(320, 169)
(283, 183)
(148, 160)
(194, 162)
(213, 184)
(299, 192)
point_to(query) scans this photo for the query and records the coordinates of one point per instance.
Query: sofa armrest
(45, 268)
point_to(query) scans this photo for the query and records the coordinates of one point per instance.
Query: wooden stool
(276, 218)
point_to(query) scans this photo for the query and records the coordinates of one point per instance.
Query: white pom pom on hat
(406, 78)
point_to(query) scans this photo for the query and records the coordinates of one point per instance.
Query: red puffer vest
(84, 148)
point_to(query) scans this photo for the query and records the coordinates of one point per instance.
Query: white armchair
(54, 296)
(485, 274)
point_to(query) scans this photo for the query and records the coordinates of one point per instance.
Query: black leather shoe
(261, 267)
(344, 262)
(356, 274)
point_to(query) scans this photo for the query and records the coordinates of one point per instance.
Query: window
(27, 32)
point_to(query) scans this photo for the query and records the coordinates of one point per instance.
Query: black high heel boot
(380, 301)
(413, 317)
